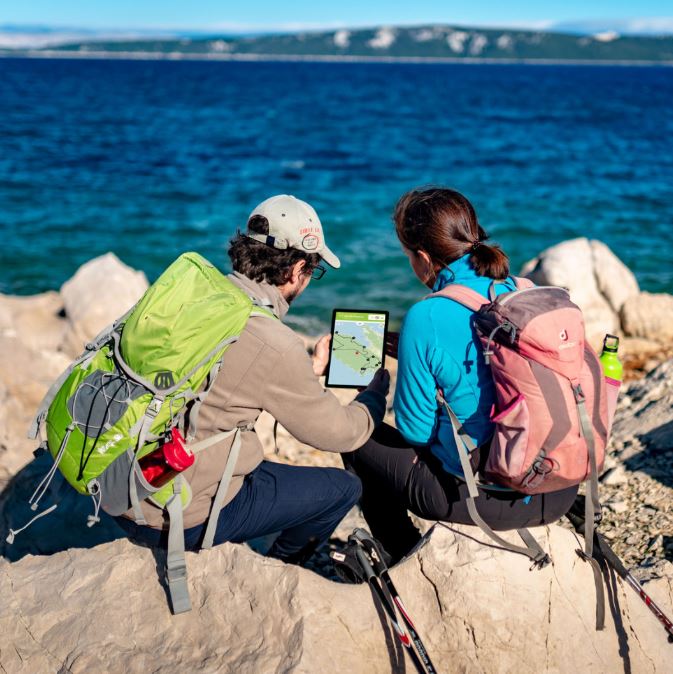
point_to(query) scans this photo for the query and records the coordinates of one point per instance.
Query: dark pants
(396, 478)
(304, 504)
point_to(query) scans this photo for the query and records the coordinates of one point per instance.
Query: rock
(650, 316)
(101, 291)
(475, 607)
(640, 498)
(638, 345)
(618, 507)
(615, 281)
(639, 355)
(614, 476)
(656, 543)
(25, 375)
(649, 416)
(37, 320)
(598, 282)
(11, 414)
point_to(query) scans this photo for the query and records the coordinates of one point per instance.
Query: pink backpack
(546, 380)
(551, 414)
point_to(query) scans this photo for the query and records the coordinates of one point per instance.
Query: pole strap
(176, 565)
(592, 506)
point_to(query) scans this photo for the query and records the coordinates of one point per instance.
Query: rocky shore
(39, 335)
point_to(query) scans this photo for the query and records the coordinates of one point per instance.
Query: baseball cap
(293, 224)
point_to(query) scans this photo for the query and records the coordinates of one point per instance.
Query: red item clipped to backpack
(165, 462)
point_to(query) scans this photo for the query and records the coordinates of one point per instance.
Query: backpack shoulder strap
(463, 295)
(522, 283)
(518, 282)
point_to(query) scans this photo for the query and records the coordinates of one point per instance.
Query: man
(269, 369)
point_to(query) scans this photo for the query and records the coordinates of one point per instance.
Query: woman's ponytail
(489, 261)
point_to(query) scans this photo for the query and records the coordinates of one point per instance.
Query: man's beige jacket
(269, 369)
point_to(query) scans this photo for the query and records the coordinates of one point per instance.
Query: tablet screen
(356, 350)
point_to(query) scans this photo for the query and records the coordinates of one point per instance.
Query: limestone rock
(649, 315)
(25, 376)
(598, 282)
(615, 281)
(10, 461)
(477, 609)
(37, 320)
(101, 291)
(29, 362)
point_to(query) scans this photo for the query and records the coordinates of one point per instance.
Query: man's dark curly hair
(260, 262)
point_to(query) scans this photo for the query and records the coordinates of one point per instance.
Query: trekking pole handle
(372, 549)
(577, 521)
(365, 564)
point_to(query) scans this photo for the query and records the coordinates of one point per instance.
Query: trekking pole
(374, 558)
(611, 558)
(389, 608)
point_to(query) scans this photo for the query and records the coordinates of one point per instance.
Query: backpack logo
(111, 443)
(565, 344)
(164, 380)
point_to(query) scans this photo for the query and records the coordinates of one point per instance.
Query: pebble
(618, 506)
(656, 543)
(614, 476)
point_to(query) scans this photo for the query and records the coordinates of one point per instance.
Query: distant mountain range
(387, 42)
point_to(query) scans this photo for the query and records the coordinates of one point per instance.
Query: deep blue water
(148, 159)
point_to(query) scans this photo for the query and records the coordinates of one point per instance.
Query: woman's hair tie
(475, 244)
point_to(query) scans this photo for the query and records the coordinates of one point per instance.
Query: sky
(306, 14)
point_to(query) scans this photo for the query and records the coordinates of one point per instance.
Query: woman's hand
(391, 344)
(321, 355)
(380, 383)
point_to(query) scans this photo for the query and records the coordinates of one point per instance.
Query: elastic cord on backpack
(13, 532)
(97, 498)
(34, 500)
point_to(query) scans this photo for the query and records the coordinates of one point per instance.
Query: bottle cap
(611, 343)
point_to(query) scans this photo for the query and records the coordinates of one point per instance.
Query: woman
(417, 467)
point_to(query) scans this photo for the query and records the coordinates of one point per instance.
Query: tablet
(356, 350)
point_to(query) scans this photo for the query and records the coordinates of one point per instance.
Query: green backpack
(132, 385)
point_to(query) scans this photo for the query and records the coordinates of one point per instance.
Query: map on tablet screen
(356, 350)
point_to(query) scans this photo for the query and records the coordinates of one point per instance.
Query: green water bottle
(613, 373)
(612, 366)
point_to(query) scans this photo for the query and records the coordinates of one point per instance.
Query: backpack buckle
(541, 562)
(153, 408)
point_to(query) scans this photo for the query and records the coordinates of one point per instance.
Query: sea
(152, 158)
